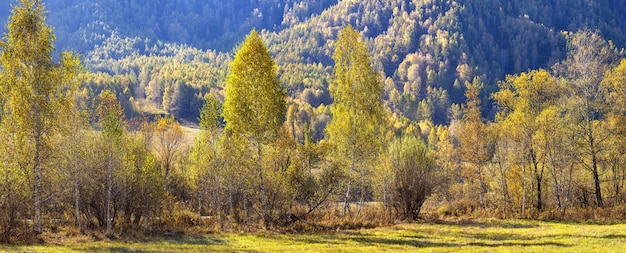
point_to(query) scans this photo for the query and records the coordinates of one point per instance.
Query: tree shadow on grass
(499, 236)
(402, 242)
(196, 240)
(485, 224)
(610, 236)
(523, 244)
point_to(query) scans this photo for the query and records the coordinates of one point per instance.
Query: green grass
(482, 236)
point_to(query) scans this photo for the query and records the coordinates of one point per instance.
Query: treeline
(425, 50)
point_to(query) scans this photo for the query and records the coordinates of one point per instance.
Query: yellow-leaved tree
(254, 106)
(357, 113)
(37, 95)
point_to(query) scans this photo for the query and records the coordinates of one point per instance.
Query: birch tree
(357, 112)
(37, 92)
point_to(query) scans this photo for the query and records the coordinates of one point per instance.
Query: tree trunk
(596, 177)
(266, 216)
(77, 196)
(481, 187)
(109, 192)
(524, 185)
(346, 203)
(37, 188)
(539, 179)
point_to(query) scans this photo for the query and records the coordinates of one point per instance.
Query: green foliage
(254, 105)
(357, 113)
(110, 115)
(425, 48)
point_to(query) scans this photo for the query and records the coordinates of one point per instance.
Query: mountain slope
(425, 49)
(214, 24)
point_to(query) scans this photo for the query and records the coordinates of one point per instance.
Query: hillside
(167, 55)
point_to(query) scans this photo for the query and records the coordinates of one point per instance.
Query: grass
(190, 134)
(472, 236)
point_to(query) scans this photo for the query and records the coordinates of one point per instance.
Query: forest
(315, 115)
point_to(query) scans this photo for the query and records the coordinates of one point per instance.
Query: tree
(523, 99)
(169, 139)
(110, 116)
(206, 158)
(476, 146)
(254, 106)
(37, 92)
(589, 57)
(357, 112)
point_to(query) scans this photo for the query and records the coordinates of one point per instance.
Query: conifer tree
(476, 148)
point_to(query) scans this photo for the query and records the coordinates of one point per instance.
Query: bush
(413, 173)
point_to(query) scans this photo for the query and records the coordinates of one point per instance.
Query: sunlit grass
(482, 236)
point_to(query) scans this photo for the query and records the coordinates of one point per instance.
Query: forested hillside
(427, 50)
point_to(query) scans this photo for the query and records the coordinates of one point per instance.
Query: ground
(450, 236)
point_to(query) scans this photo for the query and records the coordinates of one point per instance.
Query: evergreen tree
(476, 148)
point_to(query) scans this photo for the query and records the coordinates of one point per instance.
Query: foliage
(36, 97)
(414, 176)
(357, 112)
(255, 101)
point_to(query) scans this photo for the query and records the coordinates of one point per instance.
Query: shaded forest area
(336, 120)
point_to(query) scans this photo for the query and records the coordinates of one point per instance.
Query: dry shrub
(179, 218)
(462, 207)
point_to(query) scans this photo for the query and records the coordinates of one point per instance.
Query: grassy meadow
(467, 236)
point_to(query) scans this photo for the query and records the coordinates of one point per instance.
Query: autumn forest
(308, 115)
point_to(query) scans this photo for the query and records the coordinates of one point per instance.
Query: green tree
(37, 91)
(254, 105)
(357, 112)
